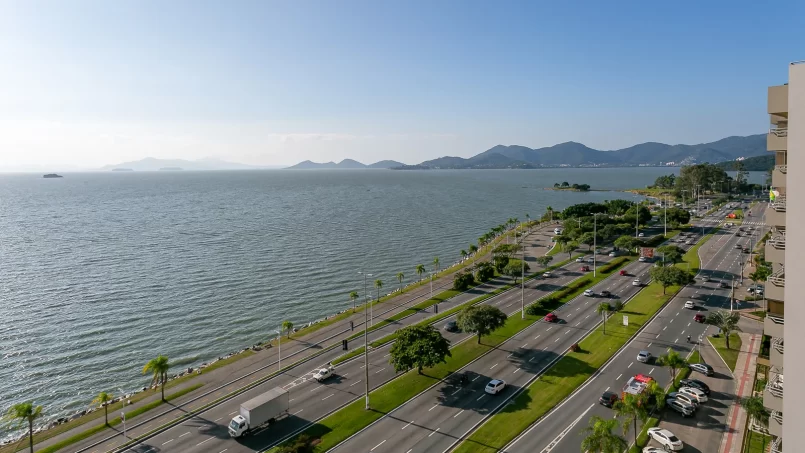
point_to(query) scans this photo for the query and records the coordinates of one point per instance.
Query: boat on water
(52, 175)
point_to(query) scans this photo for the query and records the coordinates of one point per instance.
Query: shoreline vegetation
(571, 187)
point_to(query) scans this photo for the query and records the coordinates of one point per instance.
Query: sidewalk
(297, 348)
(745, 376)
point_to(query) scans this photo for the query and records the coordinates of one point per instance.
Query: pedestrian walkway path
(744, 382)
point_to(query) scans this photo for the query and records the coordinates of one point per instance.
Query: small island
(410, 167)
(122, 169)
(52, 175)
(567, 186)
(170, 169)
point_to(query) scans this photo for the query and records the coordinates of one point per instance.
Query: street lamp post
(365, 341)
(666, 216)
(595, 239)
(522, 281)
(636, 219)
(279, 349)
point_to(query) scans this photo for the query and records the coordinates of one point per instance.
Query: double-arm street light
(595, 238)
(365, 339)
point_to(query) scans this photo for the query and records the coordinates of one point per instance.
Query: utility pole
(366, 340)
(666, 217)
(522, 281)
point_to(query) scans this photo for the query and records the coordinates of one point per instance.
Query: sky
(89, 83)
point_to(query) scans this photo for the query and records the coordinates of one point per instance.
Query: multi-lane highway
(559, 431)
(437, 418)
(311, 400)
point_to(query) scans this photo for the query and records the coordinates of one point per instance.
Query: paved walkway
(745, 379)
(301, 345)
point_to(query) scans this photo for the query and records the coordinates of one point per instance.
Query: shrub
(463, 281)
(302, 444)
(535, 309)
(575, 347)
(484, 271)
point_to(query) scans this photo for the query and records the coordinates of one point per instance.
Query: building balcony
(776, 354)
(773, 326)
(778, 100)
(779, 176)
(777, 139)
(773, 393)
(776, 424)
(775, 247)
(775, 290)
(775, 213)
(776, 445)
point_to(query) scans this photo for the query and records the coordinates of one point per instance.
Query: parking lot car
(700, 318)
(653, 450)
(495, 386)
(683, 408)
(665, 438)
(690, 304)
(550, 317)
(613, 254)
(606, 293)
(695, 383)
(589, 293)
(547, 275)
(688, 242)
(623, 272)
(585, 268)
(644, 356)
(685, 399)
(451, 326)
(608, 399)
(694, 394)
(637, 282)
(703, 368)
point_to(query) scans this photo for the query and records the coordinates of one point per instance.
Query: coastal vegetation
(103, 399)
(481, 320)
(418, 346)
(24, 414)
(567, 186)
(158, 367)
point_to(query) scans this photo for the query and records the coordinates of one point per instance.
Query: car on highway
(547, 274)
(623, 272)
(608, 399)
(665, 438)
(685, 399)
(451, 326)
(703, 368)
(695, 383)
(557, 231)
(705, 278)
(495, 386)
(613, 254)
(324, 374)
(585, 268)
(694, 394)
(640, 235)
(690, 304)
(605, 293)
(738, 246)
(642, 259)
(637, 282)
(550, 317)
(722, 285)
(685, 409)
(580, 259)
(589, 293)
(644, 356)
(700, 318)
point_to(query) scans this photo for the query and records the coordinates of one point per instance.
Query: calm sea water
(100, 272)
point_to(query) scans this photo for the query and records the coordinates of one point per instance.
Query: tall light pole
(595, 239)
(666, 216)
(365, 341)
(279, 350)
(636, 219)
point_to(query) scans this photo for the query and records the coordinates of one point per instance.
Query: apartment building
(786, 138)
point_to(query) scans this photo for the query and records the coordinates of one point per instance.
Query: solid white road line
(409, 424)
(381, 443)
(434, 432)
(165, 443)
(185, 434)
(561, 435)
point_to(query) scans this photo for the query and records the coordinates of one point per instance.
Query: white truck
(260, 411)
(324, 373)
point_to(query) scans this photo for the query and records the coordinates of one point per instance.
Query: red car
(585, 268)
(699, 317)
(623, 272)
(550, 317)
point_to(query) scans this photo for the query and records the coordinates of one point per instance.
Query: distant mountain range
(757, 163)
(344, 164)
(153, 164)
(572, 154)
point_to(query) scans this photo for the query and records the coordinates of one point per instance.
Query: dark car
(606, 293)
(585, 268)
(722, 285)
(700, 317)
(695, 383)
(451, 326)
(608, 399)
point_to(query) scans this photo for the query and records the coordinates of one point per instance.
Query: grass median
(729, 356)
(340, 425)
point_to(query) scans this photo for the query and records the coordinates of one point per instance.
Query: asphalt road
(434, 420)
(559, 431)
(310, 400)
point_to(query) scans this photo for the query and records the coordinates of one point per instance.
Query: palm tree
(599, 438)
(436, 264)
(632, 409)
(353, 296)
(400, 277)
(603, 309)
(472, 248)
(25, 412)
(420, 269)
(103, 399)
(673, 361)
(463, 255)
(287, 326)
(378, 285)
(725, 320)
(753, 405)
(159, 368)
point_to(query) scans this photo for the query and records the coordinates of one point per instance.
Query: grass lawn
(339, 426)
(730, 356)
(756, 442)
(760, 314)
(691, 258)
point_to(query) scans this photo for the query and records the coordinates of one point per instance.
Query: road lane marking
(455, 392)
(649, 345)
(409, 424)
(658, 336)
(476, 378)
(332, 394)
(531, 359)
(549, 328)
(434, 407)
(664, 328)
(359, 380)
(516, 370)
(479, 398)
(300, 410)
(676, 340)
(493, 366)
(556, 340)
(204, 441)
(232, 413)
(568, 331)
(652, 370)
(561, 435)
(459, 413)
(381, 443)
(688, 324)
(166, 443)
(218, 419)
(379, 370)
(630, 365)
(185, 434)
(434, 432)
(536, 337)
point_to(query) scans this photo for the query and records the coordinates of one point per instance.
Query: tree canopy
(672, 253)
(725, 320)
(670, 275)
(481, 320)
(418, 347)
(462, 281)
(514, 268)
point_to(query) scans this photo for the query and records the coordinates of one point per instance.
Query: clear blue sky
(269, 82)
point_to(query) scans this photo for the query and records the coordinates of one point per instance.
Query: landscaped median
(729, 356)
(347, 421)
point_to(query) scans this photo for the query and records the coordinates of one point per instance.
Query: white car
(643, 356)
(495, 386)
(557, 231)
(703, 368)
(705, 278)
(680, 406)
(690, 304)
(685, 399)
(640, 235)
(547, 275)
(324, 373)
(653, 450)
(642, 259)
(589, 293)
(580, 259)
(666, 439)
(637, 282)
(613, 254)
(693, 393)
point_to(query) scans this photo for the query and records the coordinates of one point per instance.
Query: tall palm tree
(599, 438)
(159, 368)
(473, 248)
(103, 399)
(603, 309)
(22, 413)
(436, 264)
(753, 405)
(420, 269)
(378, 285)
(353, 296)
(673, 361)
(632, 409)
(400, 277)
(287, 326)
(725, 320)
(463, 255)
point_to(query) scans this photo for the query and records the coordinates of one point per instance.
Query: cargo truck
(260, 411)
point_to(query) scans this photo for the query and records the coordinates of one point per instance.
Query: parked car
(694, 394)
(640, 235)
(608, 399)
(550, 317)
(680, 406)
(613, 254)
(690, 304)
(685, 399)
(653, 450)
(495, 386)
(665, 438)
(589, 293)
(637, 282)
(451, 326)
(700, 318)
(697, 384)
(644, 356)
(705, 278)
(722, 285)
(580, 259)
(703, 368)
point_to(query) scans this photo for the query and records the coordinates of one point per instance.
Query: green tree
(587, 239)
(673, 361)
(753, 405)
(671, 253)
(463, 281)
(644, 213)
(677, 215)
(556, 185)
(565, 184)
(544, 260)
(420, 269)
(631, 408)
(401, 276)
(287, 327)
(500, 262)
(627, 243)
(514, 268)
(418, 347)
(599, 438)
(570, 247)
(158, 367)
(481, 320)
(463, 255)
(472, 248)
(436, 264)
(378, 285)
(484, 271)
(22, 414)
(353, 296)
(665, 182)
(103, 399)
(670, 275)
(603, 309)
(725, 320)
